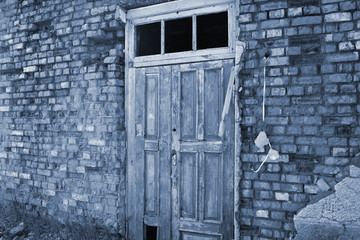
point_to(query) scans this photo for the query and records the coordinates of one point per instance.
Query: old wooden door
(151, 182)
(184, 170)
(202, 169)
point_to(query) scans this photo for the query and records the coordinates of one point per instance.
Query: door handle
(174, 162)
(173, 157)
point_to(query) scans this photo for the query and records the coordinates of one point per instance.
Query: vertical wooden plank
(128, 117)
(240, 48)
(201, 105)
(131, 43)
(132, 201)
(228, 156)
(165, 158)
(227, 102)
(232, 23)
(175, 91)
(197, 185)
(201, 189)
(131, 165)
(139, 149)
(188, 105)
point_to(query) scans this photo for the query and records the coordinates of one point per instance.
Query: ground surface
(15, 225)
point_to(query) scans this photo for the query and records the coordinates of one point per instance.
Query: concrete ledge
(310, 229)
(335, 217)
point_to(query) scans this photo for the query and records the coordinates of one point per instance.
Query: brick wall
(312, 106)
(62, 149)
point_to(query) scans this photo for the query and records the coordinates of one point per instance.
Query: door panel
(152, 105)
(213, 178)
(184, 170)
(151, 182)
(194, 236)
(188, 105)
(188, 186)
(213, 81)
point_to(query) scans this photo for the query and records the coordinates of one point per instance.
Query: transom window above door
(183, 34)
(181, 31)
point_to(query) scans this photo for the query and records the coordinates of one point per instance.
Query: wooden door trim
(239, 50)
(183, 57)
(175, 10)
(172, 7)
(130, 66)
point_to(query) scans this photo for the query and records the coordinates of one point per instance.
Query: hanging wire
(267, 156)
(266, 58)
(264, 90)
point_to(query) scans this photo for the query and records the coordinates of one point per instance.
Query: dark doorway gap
(151, 232)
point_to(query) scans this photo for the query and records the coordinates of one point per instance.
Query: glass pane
(148, 39)
(178, 35)
(212, 30)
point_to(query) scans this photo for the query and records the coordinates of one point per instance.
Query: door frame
(164, 11)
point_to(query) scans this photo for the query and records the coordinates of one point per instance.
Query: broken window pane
(212, 30)
(148, 39)
(178, 35)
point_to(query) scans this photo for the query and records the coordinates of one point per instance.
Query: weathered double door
(182, 171)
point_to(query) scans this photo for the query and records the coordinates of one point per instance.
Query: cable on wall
(262, 140)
